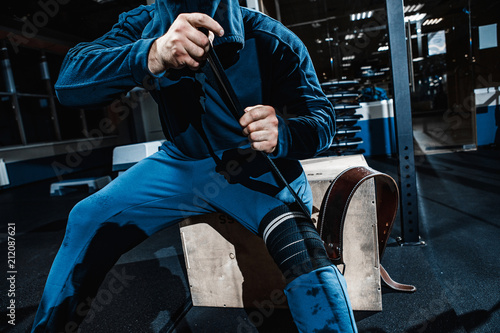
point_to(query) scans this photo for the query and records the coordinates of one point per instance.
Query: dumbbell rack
(343, 95)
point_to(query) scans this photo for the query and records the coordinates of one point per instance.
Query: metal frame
(403, 122)
(14, 95)
(44, 69)
(12, 92)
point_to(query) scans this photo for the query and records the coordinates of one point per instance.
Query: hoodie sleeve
(306, 117)
(96, 72)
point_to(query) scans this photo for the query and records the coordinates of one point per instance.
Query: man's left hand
(260, 125)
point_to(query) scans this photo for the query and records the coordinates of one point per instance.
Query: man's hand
(183, 44)
(260, 125)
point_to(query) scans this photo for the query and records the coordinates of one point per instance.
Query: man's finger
(195, 51)
(200, 20)
(259, 136)
(256, 126)
(251, 115)
(211, 36)
(200, 44)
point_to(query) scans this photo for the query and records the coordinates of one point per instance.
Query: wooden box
(228, 266)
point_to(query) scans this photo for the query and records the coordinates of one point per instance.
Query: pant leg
(145, 199)
(319, 302)
(157, 192)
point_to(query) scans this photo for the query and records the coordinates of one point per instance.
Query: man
(161, 46)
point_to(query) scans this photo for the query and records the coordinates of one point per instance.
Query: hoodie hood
(226, 12)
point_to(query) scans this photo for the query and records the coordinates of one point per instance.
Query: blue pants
(160, 191)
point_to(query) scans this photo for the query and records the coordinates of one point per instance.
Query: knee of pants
(85, 218)
(90, 223)
(293, 242)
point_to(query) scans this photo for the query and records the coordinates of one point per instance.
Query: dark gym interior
(446, 246)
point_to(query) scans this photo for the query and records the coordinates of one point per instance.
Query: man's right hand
(183, 44)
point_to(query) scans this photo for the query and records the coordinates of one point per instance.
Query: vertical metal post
(44, 70)
(403, 122)
(419, 38)
(338, 53)
(278, 10)
(409, 47)
(83, 121)
(11, 88)
(254, 4)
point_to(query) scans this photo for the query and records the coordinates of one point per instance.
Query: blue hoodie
(264, 61)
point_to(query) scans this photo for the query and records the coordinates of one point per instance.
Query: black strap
(237, 111)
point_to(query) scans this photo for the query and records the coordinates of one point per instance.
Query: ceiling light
(413, 8)
(415, 17)
(432, 21)
(361, 16)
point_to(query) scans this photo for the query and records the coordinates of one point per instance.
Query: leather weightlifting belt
(334, 208)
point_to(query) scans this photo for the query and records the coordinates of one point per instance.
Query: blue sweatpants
(160, 191)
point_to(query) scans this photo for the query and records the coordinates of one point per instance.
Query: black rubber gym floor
(456, 272)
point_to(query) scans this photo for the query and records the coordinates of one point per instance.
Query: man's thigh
(153, 194)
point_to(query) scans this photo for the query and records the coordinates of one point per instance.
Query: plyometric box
(228, 266)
